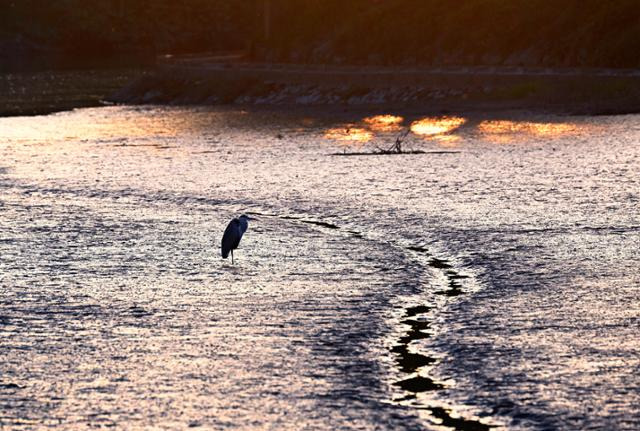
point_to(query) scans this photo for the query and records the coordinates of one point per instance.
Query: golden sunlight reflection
(349, 135)
(503, 131)
(432, 126)
(449, 141)
(53, 143)
(66, 127)
(384, 123)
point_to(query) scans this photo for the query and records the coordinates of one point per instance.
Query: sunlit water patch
(436, 126)
(493, 285)
(384, 123)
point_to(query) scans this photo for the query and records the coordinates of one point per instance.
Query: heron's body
(233, 234)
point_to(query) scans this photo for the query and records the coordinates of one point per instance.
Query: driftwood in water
(393, 153)
(395, 149)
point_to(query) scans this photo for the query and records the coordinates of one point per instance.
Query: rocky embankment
(594, 91)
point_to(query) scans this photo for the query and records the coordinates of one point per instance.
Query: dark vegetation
(562, 33)
(40, 34)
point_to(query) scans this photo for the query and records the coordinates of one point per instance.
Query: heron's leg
(231, 256)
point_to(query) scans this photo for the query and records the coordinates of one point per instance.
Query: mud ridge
(419, 319)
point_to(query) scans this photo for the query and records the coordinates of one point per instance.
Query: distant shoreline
(434, 90)
(460, 89)
(46, 92)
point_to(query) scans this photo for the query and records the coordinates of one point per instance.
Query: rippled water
(492, 280)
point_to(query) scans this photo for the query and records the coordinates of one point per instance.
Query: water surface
(492, 280)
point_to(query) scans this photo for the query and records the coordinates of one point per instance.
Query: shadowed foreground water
(491, 281)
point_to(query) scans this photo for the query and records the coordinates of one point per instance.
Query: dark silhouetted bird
(233, 234)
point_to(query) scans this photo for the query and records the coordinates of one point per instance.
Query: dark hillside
(562, 33)
(37, 34)
(591, 33)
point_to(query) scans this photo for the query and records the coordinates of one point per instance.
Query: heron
(233, 234)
